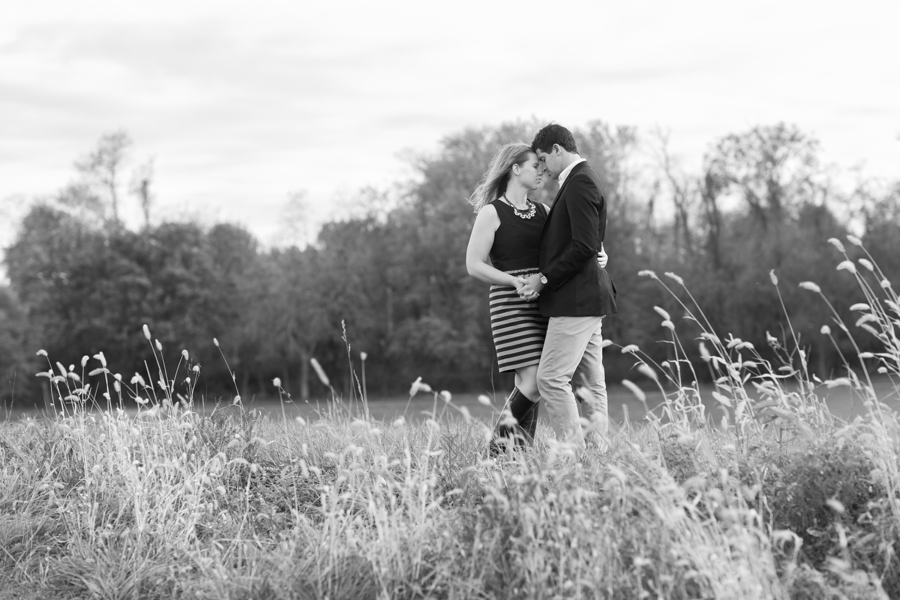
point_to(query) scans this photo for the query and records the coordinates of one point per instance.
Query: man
(574, 291)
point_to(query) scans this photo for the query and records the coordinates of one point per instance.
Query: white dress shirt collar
(565, 173)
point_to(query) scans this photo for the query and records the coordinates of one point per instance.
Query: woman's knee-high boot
(525, 412)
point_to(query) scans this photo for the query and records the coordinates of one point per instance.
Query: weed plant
(777, 499)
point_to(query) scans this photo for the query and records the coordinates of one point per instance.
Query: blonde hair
(493, 184)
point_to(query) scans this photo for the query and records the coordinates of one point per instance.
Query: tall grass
(778, 498)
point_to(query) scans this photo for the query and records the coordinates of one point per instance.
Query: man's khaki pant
(573, 352)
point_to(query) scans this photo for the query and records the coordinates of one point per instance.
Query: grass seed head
(484, 400)
(638, 392)
(839, 382)
(645, 370)
(320, 372)
(835, 505)
(146, 332)
(277, 382)
(847, 266)
(41, 353)
(419, 386)
(836, 243)
(675, 278)
(812, 287)
(866, 319)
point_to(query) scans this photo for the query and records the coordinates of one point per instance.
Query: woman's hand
(519, 284)
(528, 295)
(602, 258)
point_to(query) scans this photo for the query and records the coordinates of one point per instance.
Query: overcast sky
(244, 103)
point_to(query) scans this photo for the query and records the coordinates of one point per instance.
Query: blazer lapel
(559, 192)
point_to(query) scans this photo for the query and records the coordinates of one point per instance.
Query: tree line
(390, 280)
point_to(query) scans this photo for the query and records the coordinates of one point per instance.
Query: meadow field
(771, 483)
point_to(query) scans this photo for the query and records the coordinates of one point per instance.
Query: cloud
(242, 104)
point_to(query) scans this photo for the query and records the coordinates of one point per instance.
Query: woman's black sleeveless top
(517, 242)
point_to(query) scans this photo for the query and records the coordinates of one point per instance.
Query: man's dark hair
(554, 134)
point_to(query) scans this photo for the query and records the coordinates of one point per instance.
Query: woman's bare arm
(478, 262)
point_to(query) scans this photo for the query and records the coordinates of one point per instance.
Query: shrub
(824, 482)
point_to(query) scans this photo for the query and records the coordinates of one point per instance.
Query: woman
(503, 250)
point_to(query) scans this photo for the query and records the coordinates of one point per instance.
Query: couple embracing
(550, 290)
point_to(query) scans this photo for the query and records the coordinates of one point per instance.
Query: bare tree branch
(104, 165)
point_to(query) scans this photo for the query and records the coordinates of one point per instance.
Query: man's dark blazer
(572, 236)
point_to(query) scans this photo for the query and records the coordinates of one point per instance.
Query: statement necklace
(522, 214)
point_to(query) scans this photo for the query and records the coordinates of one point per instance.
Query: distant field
(841, 402)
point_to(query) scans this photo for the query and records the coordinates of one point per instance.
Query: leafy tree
(17, 365)
(297, 312)
(390, 271)
(762, 203)
(881, 223)
(774, 171)
(89, 291)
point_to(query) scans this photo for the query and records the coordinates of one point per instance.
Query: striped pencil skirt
(517, 326)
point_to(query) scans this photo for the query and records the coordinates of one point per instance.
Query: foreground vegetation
(767, 498)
